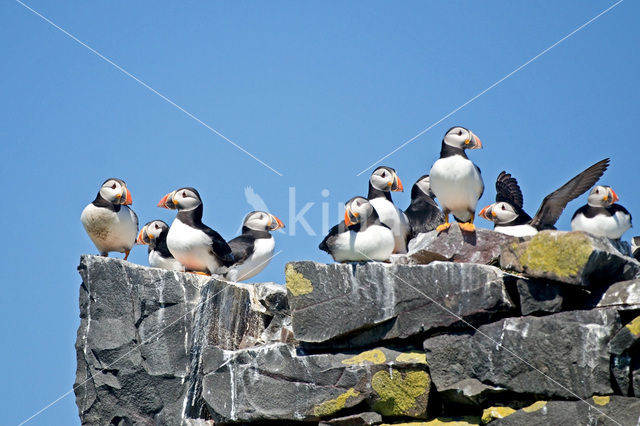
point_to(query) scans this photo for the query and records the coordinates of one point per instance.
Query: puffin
(253, 249)
(423, 213)
(154, 234)
(455, 180)
(195, 245)
(601, 216)
(383, 180)
(110, 223)
(635, 247)
(509, 217)
(361, 236)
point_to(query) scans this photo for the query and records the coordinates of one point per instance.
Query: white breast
(517, 230)
(395, 219)
(375, 243)
(110, 231)
(192, 248)
(254, 264)
(157, 261)
(457, 185)
(603, 226)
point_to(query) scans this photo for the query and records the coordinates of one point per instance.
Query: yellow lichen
(634, 326)
(334, 405)
(564, 255)
(415, 357)
(297, 284)
(442, 421)
(375, 356)
(493, 413)
(601, 400)
(534, 407)
(398, 392)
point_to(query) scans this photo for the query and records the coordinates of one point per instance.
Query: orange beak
(478, 143)
(483, 212)
(163, 202)
(398, 185)
(140, 239)
(128, 199)
(347, 218)
(279, 223)
(614, 196)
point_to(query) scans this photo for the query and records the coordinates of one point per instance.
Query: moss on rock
(297, 284)
(398, 393)
(492, 413)
(334, 405)
(563, 255)
(412, 357)
(374, 356)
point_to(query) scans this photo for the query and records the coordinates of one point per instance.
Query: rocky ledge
(536, 330)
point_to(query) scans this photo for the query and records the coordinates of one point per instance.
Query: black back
(423, 213)
(590, 212)
(243, 245)
(219, 246)
(342, 227)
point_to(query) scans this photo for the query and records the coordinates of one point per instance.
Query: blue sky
(318, 91)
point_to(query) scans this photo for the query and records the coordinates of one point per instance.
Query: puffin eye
(384, 174)
(597, 191)
(503, 208)
(459, 132)
(113, 186)
(184, 195)
(157, 227)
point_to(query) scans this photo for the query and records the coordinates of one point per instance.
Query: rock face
(482, 246)
(436, 337)
(569, 257)
(391, 301)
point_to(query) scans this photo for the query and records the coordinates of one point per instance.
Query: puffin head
(151, 231)
(357, 209)
(385, 179)
(262, 221)
(602, 196)
(499, 213)
(115, 191)
(186, 198)
(424, 185)
(460, 137)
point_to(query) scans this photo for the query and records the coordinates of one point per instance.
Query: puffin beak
(483, 212)
(140, 239)
(127, 198)
(166, 201)
(474, 142)
(348, 217)
(397, 184)
(614, 196)
(275, 223)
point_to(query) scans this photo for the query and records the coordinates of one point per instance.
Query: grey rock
(635, 376)
(137, 337)
(539, 296)
(482, 246)
(596, 411)
(562, 355)
(274, 382)
(378, 301)
(624, 294)
(570, 257)
(360, 419)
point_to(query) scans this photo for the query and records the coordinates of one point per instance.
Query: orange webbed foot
(443, 227)
(468, 227)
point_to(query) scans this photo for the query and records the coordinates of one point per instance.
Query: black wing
(508, 190)
(554, 203)
(219, 246)
(480, 173)
(242, 247)
(333, 232)
(424, 215)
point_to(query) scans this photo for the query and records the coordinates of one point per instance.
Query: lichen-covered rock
(624, 347)
(561, 355)
(624, 294)
(276, 383)
(138, 330)
(570, 257)
(361, 419)
(376, 301)
(597, 410)
(482, 246)
(492, 413)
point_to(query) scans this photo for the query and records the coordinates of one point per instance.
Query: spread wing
(219, 246)
(242, 248)
(508, 190)
(554, 203)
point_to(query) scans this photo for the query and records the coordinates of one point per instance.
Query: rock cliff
(461, 330)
